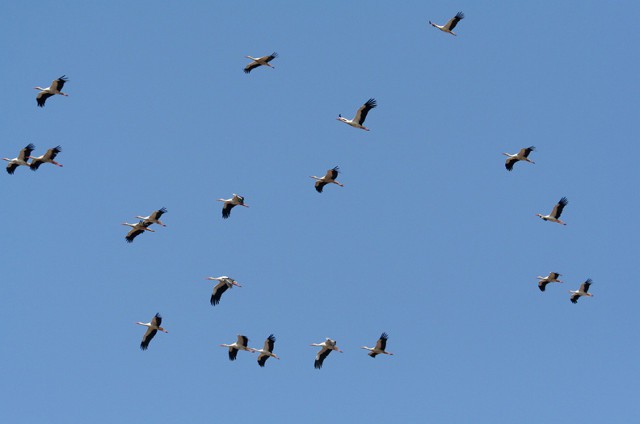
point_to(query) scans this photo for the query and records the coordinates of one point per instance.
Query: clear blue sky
(430, 240)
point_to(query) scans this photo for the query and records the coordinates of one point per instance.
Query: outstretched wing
(557, 209)
(157, 214)
(270, 57)
(42, 97)
(524, 152)
(320, 357)
(251, 66)
(510, 162)
(146, 339)
(217, 292)
(226, 209)
(454, 21)
(361, 115)
(26, 152)
(59, 83)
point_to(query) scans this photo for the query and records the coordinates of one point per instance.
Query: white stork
(154, 218)
(152, 329)
(327, 346)
(53, 89)
(554, 216)
(224, 284)
(260, 61)
(46, 158)
(361, 115)
(136, 230)
(523, 154)
(449, 26)
(267, 350)
(329, 178)
(22, 159)
(551, 278)
(381, 345)
(236, 200)
(240, 344)
(583, 291)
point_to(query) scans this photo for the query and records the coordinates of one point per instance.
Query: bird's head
(539, 215)
(340, 118)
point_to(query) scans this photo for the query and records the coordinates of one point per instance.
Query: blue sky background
(430, 240)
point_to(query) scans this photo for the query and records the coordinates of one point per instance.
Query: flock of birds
(224, 282)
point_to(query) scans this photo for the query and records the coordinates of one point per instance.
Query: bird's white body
(327, 346)
(582, 291)
(229, 204)
(522, 155)
(329, 178)
(551, 278)
(449, 26)
(21, 160)
(46, 158)
(52, 90)
(379, 348)
(154, 218)
(152, 328)
(240, 344)
(267, 351)
(224, 284)
(260, 61)
(554, 216)
(361, 115)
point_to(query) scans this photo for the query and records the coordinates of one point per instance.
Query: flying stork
(449, 26)
(154, 218)
(361, 115)
(260, 61)
(53, 89)
(554, 216)
(240, 344)
(230, 203)
(327, 346)
(46, 158)
(224, 284)
(136, 230)
(152, 329)
(267, 350)
(22, 158)
(329, 177)
(523, 154)
(583, 291)
(381, 345)
(551, 278)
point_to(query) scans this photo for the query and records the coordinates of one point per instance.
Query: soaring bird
(523, 154)
(361, 115)
(267, 350)
(583, 291)
(449, 26)
(46, 158)
(152, 329)
(136, 230)
(381, 345)
(154, 218)
(240, 344)
(327, 346)
(551, 278)
(53, 89)
(260, 61)
(329, 177)
(22, 158)
(230, 203)
(224, 284)
(554, 216)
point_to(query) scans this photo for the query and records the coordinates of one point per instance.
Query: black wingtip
(460, 15)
